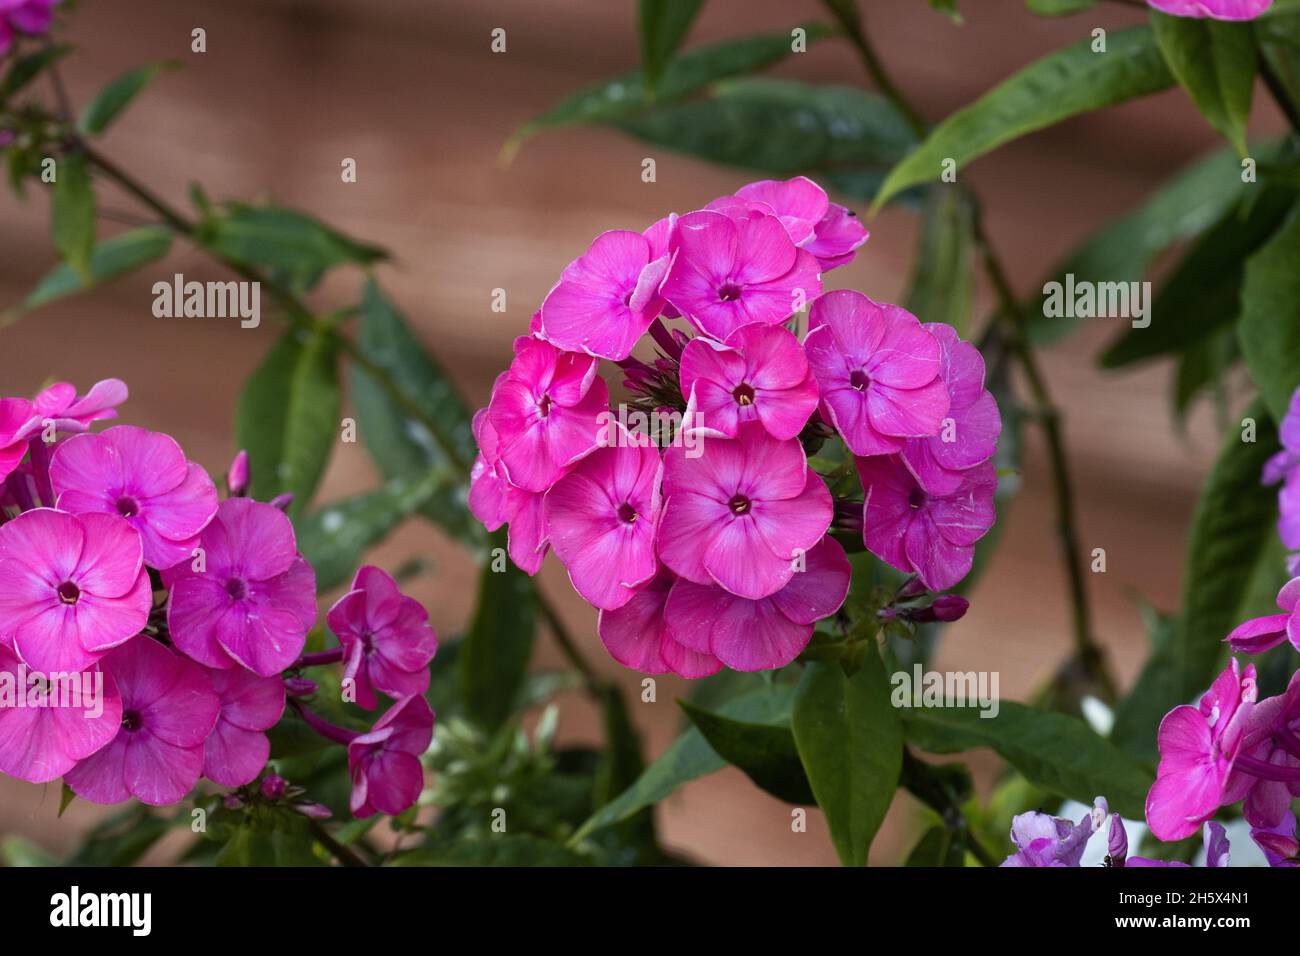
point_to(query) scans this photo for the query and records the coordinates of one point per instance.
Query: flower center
(729, 292)
(237, 589)
(917, 497)
(743, 394)
(739, 505)
(68, 592)
(544, 405)
(626, 513)
(131, 720)
(128, 507)
(859, 379)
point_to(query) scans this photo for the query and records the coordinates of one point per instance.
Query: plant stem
(921, 783)
(1273, 83)
(564, 639)
(1089, 653)
(341, 853)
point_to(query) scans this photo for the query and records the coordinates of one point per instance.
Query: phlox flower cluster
(714, 548)
(180, 618)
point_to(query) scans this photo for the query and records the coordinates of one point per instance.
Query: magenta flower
(168, 710)
(1215, 9)
(71, 588)
(1285, 461)
(1264, 633)
(249, 599)
(830, 232)
(1213, 836)
(495, 501)
(142, 476)
(742, 513)
(1266, 774)
(15, 413)
(47, 726)
(607, 298)
(1043, 840)
(931, 535)
(760, 374)
(384, 764)
(386, 637)
(969, 435)
(1279, 843)
(1198, 746)
(765, 634)
(602, 518)
(238, 748)
(546, 413)
(728, 273)
(878, 371)
(637, 634)
(32, 17)
(61, 406)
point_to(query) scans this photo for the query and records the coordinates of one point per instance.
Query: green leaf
(1062, 84)
(18, 851)
(1228, 564)
(29, 67)
(1191, 201)
(948, 8)
(1270, 322)
(662, 25)
(851, 744)
(1203, 366)
(1055, 751)
(334, 538)
(1058, 8)
(284, 241)
(767, 754)
(288, 416)
(1214, 61)
(117, 96)
(1203, 293)
(938, 847)
(502, 850)
(110, 260)
(73, 213)
(495, 652)
(626, 95)
(122, 839)
(942, 283)
(781, 127)
(688, 758)
(402, 445)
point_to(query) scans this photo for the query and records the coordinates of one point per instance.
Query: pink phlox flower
(15, 414)
(384, 764)
(249, 599)
(637, 634)
(386, 637)
(1260, 634)
(145, 478)
(1266, 774)
(238, 748)
(495, 501)
(1214, 9)
(878, 370)
(1043, 840)
(1279, 843)
(739, 513)
(931, 535)
(61, 407)
(828, 231)
(72, 587)
(168, 710)
(760, 374)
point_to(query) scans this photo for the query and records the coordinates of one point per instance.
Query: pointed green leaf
(1270, 321)
(110, 259)
(942, 280)
(1062, 84)
(662, 25)
(766, 753)
(72, 213)
(1214, 61)
(117, 96)
(283, 241)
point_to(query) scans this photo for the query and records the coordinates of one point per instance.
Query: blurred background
(412, 91)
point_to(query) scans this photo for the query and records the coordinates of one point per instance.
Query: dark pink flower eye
(237, 589)
(131, 720)
(743, 394)
(626, 513)
(127, 506)
(729, 292)
(739, 505)
(69, 592)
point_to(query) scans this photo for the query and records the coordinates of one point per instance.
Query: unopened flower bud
(237, 476)
(273, 786)
(282, 501)
(299, 686)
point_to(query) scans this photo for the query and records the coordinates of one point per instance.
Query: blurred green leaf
(72, 213)
(288, 416)
(939, 846)
(122, 839)
(1194, 199)
(851, 744)
(109, 103)
(334, 538)
(1203, 366)
(1058, 8)
(495, 652)
(282, 240)
(110, 259)
(1214, 61)
(766, 753)
(503, 850)
(401, 445)
(689, 757)
(626, 95)
(27, 68)
(1057, 752)
(842, 135)
(942, 283)
(662, 25)
(1270, 322)
(1203, 292)
(18, 851)
(1229, 572)
(1062, 84)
